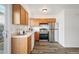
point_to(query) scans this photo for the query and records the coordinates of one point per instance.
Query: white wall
(68, 28)
(72, 28)
(59, 34)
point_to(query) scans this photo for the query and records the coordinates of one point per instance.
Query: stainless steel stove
(44, 33)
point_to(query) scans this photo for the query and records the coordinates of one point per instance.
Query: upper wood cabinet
(19, 15)
(34, 22)
(37, 21)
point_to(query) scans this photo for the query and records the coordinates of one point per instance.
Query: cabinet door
(23, 17)
(27, 19)
(52, 20)
(43, 20)
(19, 15)
(34, 22)
(19, 45)
(15, 46)
(36, 36)
(29, 44)
(16, 13)
(32, 41)
(23, 45)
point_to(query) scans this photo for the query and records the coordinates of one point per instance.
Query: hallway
(44, 47)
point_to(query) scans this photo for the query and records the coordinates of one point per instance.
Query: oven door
(44, 36)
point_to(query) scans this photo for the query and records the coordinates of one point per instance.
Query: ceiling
(52, 9)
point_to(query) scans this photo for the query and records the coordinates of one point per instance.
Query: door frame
(7, 26)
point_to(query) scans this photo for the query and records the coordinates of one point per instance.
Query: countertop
(23, 36)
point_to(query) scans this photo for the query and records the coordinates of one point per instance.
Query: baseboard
(71, 46)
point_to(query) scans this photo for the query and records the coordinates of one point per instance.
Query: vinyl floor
(45, 47)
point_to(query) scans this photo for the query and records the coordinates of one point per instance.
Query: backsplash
(15, 28)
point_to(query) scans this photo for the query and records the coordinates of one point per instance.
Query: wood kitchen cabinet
(43, 20)
(36, 36)
(37, 21)
(52, 20)
(29, 45)
(19, 15)
(21, 45)
(23, 16)
(34, 22)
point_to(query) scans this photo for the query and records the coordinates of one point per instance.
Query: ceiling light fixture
(44, 11)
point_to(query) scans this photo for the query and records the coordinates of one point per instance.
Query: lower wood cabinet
(21, 45)
(29, 45)
(36, 35)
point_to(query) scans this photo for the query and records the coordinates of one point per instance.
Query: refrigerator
(51, 32)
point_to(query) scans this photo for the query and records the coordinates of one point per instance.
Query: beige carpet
(44, 47)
